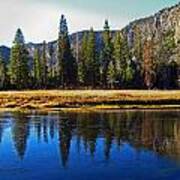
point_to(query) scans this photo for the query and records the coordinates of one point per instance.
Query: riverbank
(90, 99)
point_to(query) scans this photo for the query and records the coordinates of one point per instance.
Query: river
(86, 146)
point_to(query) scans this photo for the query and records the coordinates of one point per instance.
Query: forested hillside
(143, 55)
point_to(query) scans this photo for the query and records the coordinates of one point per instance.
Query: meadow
(89, 99)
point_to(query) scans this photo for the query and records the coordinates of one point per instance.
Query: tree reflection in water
(151, 130)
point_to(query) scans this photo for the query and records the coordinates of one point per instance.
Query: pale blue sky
(39, 19)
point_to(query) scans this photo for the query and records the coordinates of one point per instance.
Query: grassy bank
(89, 99)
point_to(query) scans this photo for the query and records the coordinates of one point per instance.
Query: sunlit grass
(80, 98)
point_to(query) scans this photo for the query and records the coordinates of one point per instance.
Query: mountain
(5, 53)
(153, 26)
(164, 20)
(156, 26)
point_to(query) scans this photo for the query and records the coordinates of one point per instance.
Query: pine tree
(130, 75)
(106, 55)
(19, 37)
(51, 73)
(44, 68)
(166, 62)
(3, 76)
(18, 67)
(37, 70)
(121, 57)
(92, 76)
(123, 65)
(111, 75)
(67, 65)
(117, 57)
(82, 66)
(173, 75)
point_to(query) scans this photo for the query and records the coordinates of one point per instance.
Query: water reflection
(20, 133)
(149, 130)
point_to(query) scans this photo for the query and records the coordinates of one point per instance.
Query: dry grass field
(89, 98)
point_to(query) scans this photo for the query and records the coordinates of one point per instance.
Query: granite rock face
(155, 26)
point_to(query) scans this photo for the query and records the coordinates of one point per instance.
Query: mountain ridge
(160, 22)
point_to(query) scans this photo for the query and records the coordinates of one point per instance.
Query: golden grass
(89, 98)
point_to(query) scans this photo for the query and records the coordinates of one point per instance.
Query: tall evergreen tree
(124, 66)
(82, 66)
(67, 65)
(173, 75)
(18, 67)
(3, 75)
(92, 74)
(111, 75)
(106, 53)
(166, 66)
(117, 57)
(51, 72)
(121, 55)
(37, 71)
(130, 74)
(44, 68)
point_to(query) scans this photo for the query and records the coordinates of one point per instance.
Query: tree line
(117, 65)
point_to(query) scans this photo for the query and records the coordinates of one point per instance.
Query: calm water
(116, 145)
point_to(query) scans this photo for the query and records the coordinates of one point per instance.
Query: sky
(39, 19)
